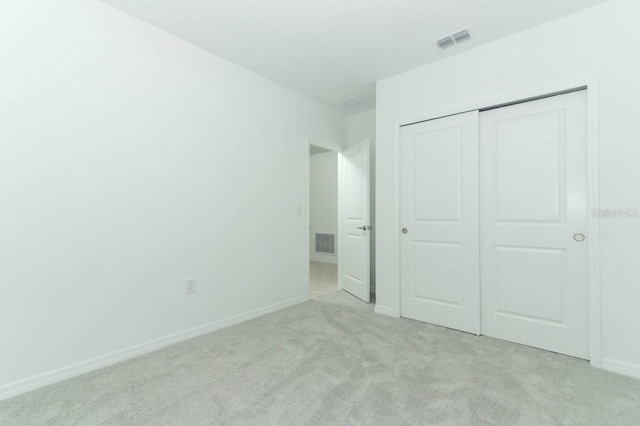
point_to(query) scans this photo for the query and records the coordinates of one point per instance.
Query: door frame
(591, 84)
(331, 146)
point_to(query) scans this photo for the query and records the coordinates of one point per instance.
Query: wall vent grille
(326, 243)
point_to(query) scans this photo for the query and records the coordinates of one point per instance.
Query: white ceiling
(336, 49)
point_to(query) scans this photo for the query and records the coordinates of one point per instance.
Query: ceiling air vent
(443, 43)
(461, 36)
(354, 103)
(453, 39)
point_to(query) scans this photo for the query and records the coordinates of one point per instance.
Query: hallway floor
(323, 279)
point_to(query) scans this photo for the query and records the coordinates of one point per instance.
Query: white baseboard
(383, 310)
(324, 259)
(624, 368)
(35, 382)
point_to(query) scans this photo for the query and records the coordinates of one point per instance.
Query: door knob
(579, 237)
(364, 228)
(405, 230)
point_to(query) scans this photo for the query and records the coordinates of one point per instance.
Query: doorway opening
(323, 221)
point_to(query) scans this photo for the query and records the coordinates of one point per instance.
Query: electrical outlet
(191, 286)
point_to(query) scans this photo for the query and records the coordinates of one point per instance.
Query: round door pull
(579, 237)
(405, 230)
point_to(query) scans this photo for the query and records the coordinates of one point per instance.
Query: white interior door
(439, 270)
(353, 264)
(533, 224)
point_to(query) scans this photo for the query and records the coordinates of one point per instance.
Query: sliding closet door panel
(533, 204)
(439, 217)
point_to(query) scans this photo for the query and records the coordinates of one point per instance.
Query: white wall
(603, 40)
(130, 162)
(323, 202)
(360, 126)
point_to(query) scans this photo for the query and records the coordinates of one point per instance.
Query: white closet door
(439, 217)
(533, 219)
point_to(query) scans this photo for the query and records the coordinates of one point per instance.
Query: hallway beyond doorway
(323, 278)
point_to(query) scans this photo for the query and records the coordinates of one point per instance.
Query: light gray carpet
(332, 361)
